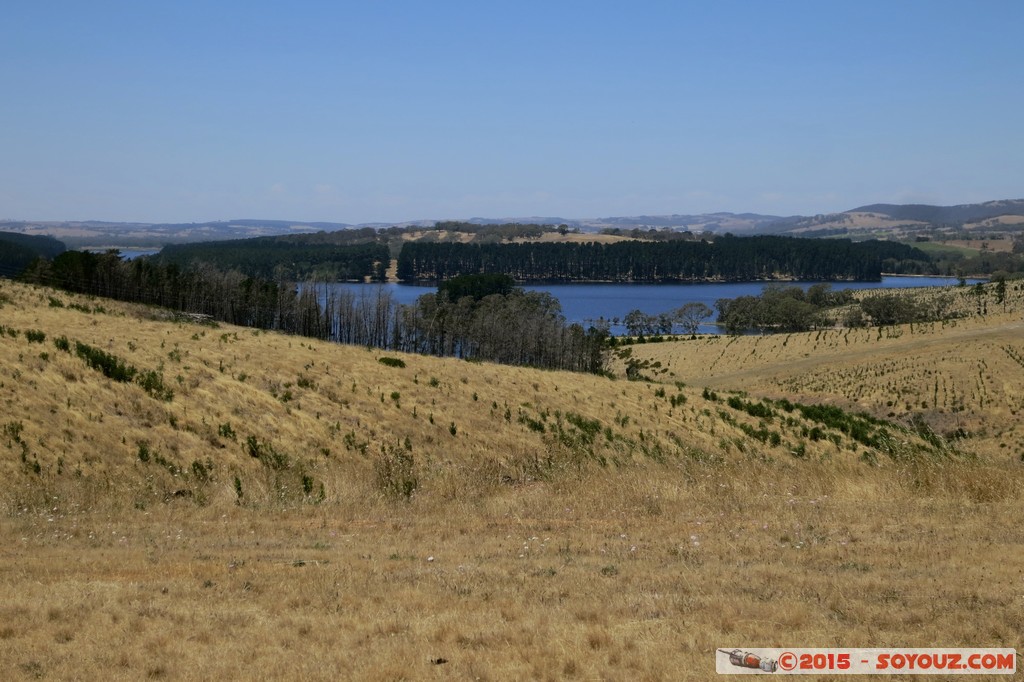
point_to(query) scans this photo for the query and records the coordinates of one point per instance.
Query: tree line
(725, 259)
(290, 259)
(475, 318)
(791, 309)
(781, 309)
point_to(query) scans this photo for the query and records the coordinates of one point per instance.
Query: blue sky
(372, 111)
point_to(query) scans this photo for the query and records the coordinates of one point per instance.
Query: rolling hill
(185, 500)
(892, 221)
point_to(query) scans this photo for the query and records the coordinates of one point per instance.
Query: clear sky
(188, 110)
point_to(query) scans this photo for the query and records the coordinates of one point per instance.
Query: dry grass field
(963, 376)
(298, 509)
(1002, 245)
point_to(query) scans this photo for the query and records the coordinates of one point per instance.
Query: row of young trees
(476, 317)
(725, 259)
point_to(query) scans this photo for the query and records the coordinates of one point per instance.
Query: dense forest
(342, 255)
(468, 317)
(724, 259)
(439, 253)
(18, 250)
(308, 258)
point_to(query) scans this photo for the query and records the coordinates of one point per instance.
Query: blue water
(128, 254)
(585, 303)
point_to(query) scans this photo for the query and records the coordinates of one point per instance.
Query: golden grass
(580, 238)
(520, 556)
(1003, 245)
(963, 374)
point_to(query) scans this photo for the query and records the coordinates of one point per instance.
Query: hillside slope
(299, 420)
(963, 378)
(257, 506)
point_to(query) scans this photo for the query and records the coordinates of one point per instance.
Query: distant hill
(98, 234)
(947, 215)
(908, 221)
(883, 221)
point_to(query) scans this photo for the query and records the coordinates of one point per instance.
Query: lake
(585, 303)
(126, 254)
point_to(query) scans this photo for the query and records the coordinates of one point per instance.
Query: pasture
(302, 509)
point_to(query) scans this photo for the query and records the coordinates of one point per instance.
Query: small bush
(201, 471)
(35, 335)
(266, 453)
(111, 366)
(391, 362)
(396, 472)
(589, 428)
(153, 384)
(13, 430)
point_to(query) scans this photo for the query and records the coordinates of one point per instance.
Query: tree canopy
(724, 259)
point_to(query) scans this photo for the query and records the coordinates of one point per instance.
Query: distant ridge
(886, 221)
(946, 215)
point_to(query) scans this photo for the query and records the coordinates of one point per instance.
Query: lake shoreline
(587, 304)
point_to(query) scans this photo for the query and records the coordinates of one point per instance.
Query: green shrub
(395, 471)
(202, 472)
(153, 384)
(266, 453)
(111, 366)
(13, 430)
(391, 362)
(589, 428)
